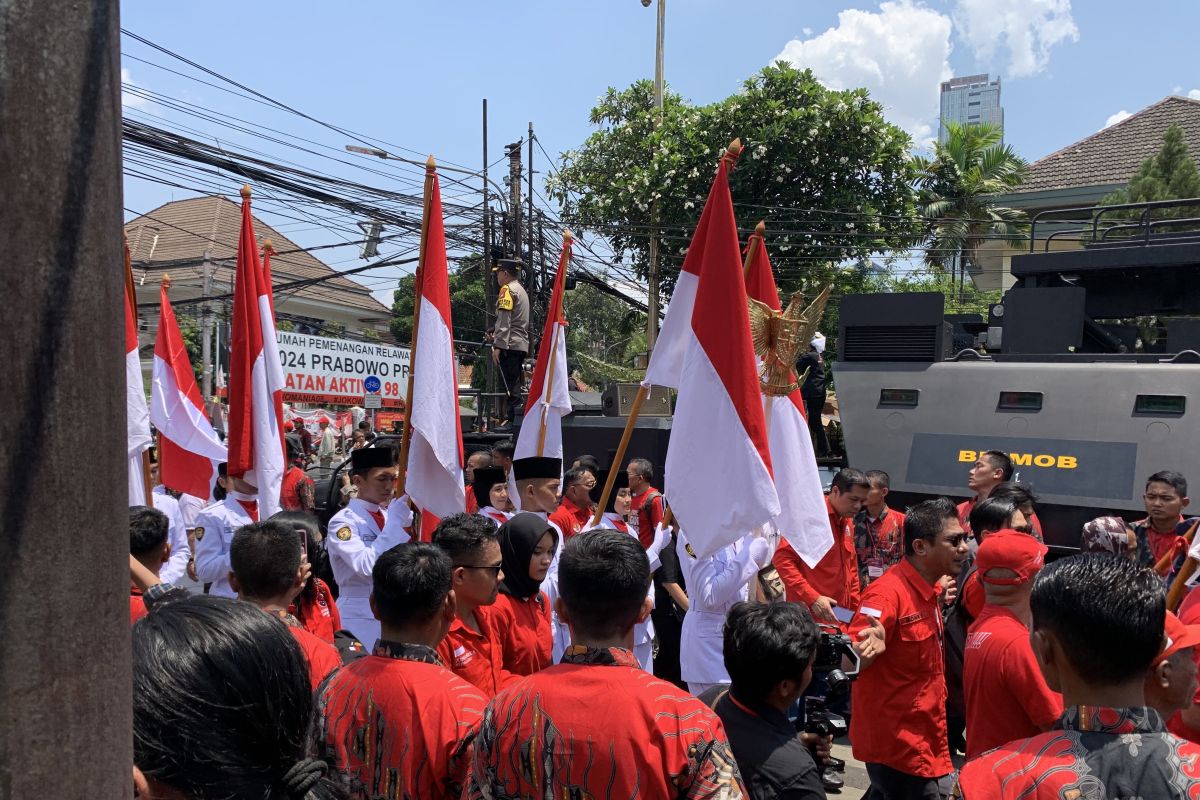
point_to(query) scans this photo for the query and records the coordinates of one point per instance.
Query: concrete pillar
(64, 635)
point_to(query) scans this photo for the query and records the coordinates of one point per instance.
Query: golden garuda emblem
(779, 336)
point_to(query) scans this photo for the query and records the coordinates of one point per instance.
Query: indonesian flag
(705, 352)
(434, 473)
(188, 447)
(255, 376)
(549, 392)
(137, 415)
(802, 519)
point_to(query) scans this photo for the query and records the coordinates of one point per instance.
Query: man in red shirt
(472, 648)
(991, 469)
(397, 723)
(298, 492)
(150, 544)
(1171, 682)
(480, 459)
(898, 725)
(576, 510)
(267, 570)
(878, 531)
(647, 502)
(1097, 629)
(834, 580)
(1161, 532)
(1006, 696)
(597, 725)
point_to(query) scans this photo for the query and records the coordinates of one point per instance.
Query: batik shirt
(1093, 754)
(597, 726)
(399, 725)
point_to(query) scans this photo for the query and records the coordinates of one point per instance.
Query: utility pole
(652, 272)
(206, 331)
(530, 200)
(489, 283)
(514, 199)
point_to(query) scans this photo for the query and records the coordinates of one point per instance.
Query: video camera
(833, 649)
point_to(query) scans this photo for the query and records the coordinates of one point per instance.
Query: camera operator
(769, 650)
(898, 720)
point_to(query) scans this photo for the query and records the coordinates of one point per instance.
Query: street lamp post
(652, 271)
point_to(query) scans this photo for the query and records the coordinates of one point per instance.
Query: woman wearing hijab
(521, 612)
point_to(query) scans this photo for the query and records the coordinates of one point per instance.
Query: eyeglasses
(957, 540)
(588, 486)
(1023, 529)
(495, 568)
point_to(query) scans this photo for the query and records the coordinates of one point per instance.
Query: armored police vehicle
(1087, 373)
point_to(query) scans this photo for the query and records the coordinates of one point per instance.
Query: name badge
(874, 571)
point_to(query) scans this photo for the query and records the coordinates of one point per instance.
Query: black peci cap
(537, 467)
(485, 479)
(372, 457)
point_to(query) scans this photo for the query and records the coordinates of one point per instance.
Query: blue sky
(413, 74)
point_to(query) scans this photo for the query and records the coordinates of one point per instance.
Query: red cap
(1012, 550)
(287, 426)
(323, 421)
(1179, 636)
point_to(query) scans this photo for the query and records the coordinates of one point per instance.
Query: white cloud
(130, 100)
(1027, 29)
(806, 31)
(1117, 117)
(901, 54)
(1194, 94)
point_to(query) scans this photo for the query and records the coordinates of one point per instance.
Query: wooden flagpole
(750, 248)
(1178, 588)
(406, 437)
(131, 295)
(642, 392)
(547, 379)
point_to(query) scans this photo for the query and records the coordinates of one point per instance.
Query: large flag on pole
(255, 377)
(549, 391)
(705, 352)
(188, 447)
(434, 473)
(802, 520)
(137, 413)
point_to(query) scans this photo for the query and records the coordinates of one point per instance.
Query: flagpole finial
(735, 147)
(267, 246)
(245, 191)
(760, 228)
(430, 163)
(166, 281)
(567, 236)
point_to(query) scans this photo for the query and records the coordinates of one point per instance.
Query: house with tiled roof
(1084, 173)
(175, 238)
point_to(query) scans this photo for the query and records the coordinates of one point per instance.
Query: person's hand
(871, 640)
(761, 551)
(191, 570)
(489, 335)
(949, 589)
(822, 746)
(496, 356)
(822, 609)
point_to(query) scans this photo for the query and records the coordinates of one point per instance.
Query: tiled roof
(1114, 154)
(182, 230)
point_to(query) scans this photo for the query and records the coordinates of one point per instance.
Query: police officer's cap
(513, 265)
(372, 457)
(537, 467)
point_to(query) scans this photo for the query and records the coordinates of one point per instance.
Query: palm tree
(956, 191)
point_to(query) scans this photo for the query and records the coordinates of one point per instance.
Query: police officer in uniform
(510, 338)
(215, 526)
(360, 533)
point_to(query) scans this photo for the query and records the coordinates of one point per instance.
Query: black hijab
(518, 539)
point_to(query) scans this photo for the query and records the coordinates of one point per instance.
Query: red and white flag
(549, 391)
(137, 414)
(255, 440)
(803, 520)
(706, 353)
(188, 447)
(434, 473)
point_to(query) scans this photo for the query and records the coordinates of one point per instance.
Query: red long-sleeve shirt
(835, 575)
(526, 636)
(570, 518)
(477, 658)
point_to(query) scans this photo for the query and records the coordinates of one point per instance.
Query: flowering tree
(829, 175)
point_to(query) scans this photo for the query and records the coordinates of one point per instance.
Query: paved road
(856, 774)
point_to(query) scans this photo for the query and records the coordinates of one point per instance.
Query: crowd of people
(538, 645)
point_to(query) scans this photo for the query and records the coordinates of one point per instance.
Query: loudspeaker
(617, 401)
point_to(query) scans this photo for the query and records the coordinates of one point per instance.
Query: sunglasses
(495, 568)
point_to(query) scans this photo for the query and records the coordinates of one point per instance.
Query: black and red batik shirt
(399, 725)
(598, 726)
(1093, 753)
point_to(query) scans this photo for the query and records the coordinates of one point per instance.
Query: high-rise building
(971, 100)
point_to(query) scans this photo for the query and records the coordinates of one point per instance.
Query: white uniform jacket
(354, 542)
(181, 554)
(215, 526)
(714, 585)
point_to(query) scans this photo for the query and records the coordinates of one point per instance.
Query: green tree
(189, 329)
(603, 335)
(956, 191)
(1169, 174)
(823, 168)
